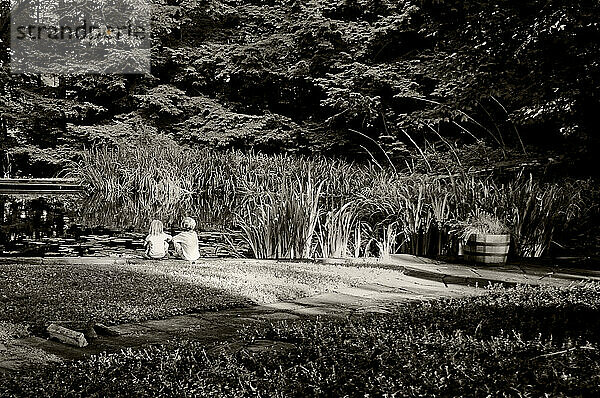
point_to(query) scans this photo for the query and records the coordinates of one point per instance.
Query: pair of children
(186, 243)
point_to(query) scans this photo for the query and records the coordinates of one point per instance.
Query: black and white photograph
(299, 198)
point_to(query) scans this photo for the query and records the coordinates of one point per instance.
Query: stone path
(510, 274)
(422, 279)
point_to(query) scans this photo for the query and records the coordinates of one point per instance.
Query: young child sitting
(186, 243)
(157, 242)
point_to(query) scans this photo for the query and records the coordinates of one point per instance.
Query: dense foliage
(330, 76)
(459, 347)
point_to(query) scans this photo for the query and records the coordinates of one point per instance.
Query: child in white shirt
(186, 243)
(157, 242)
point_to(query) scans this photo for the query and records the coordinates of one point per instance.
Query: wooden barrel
(487, 249)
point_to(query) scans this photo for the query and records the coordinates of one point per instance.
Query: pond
(82, 225)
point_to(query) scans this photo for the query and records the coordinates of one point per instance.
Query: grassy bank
(527, 341)
(77, 294)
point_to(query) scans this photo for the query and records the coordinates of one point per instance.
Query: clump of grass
(387, 245)
(336, 233)
(282, 224)
(537, 210)
(418, 214)
(483, 223)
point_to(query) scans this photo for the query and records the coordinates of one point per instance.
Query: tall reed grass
(339, 228)
(282, 224)
(298, 207)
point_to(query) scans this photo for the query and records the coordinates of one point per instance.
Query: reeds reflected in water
(290, 206)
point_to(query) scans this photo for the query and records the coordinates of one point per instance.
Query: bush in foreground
(526, 341)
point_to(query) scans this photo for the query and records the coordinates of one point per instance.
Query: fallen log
(67, 336)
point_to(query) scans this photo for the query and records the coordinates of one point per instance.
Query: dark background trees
(348, 78)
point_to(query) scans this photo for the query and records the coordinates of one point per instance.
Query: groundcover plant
(453, 347)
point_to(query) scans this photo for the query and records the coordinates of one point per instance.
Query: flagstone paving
(421, 280)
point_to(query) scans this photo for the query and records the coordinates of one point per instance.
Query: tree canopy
(348, 78)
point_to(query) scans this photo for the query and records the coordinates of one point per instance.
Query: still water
(75, 225)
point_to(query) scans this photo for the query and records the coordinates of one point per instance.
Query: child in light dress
(186, 243)
(157, 242)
